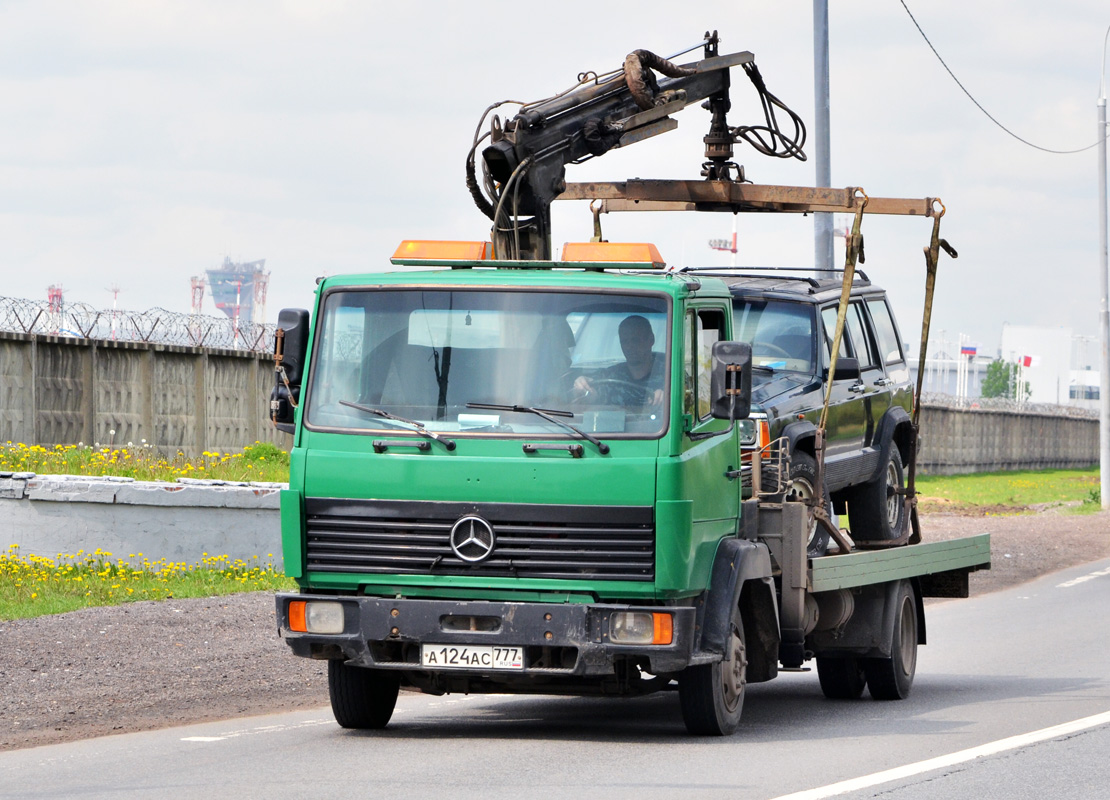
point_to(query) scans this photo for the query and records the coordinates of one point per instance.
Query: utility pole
(822, 222)
(1104, 278)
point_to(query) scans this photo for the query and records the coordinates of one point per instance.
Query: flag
(968, 350)
(1026, 361)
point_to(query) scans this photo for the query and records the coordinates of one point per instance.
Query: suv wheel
(875, 509)
(802, 489)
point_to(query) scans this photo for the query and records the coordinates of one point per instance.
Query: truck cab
(486, 493)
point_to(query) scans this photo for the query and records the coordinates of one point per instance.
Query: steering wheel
(616, 391)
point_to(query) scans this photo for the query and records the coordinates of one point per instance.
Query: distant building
(1059, 367)
(1083, 378)
(239, 290)
(955, 368)
(1044, 358)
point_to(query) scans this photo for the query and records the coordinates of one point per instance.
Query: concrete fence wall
(62, 390)
(957, 440)
(48, 515)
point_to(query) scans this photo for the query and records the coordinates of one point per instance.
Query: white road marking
(941, 762)
(1083, 578)
(255, 731)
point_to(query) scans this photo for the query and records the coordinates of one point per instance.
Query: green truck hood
(481, 471)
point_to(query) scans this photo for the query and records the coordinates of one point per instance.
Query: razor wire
(154, 326)
(996, 404)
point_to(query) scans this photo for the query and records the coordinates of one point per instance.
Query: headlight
(640, 627)
(747, 430)
(315, 616)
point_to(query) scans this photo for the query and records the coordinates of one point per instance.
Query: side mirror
(730, 383)
(290, 349)
(847, 369)
(294, 323)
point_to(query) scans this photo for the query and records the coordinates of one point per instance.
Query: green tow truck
(514, 474)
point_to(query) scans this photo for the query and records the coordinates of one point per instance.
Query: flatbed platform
(934, 559)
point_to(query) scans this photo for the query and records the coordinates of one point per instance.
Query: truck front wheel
(712, 695)
(361, 698)
(891, 678)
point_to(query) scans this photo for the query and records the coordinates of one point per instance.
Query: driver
(639, 380)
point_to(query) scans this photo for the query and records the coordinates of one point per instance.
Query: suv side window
(828, 316)
(861, 338)
(889, 347)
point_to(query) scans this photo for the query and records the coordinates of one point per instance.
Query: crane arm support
(668, 195)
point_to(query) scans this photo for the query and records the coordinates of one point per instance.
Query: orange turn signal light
(297, 620)
(764, 433)
(664, 628)
(620, 252)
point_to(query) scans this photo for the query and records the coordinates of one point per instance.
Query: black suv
(790, 323)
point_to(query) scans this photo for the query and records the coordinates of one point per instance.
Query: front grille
(532, 541)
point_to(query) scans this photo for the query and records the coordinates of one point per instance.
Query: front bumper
(567, 640)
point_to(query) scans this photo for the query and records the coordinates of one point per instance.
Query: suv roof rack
(859, 278)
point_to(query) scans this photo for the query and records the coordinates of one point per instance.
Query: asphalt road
(1000, 670)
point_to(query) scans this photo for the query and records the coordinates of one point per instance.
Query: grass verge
(32, 585)
(261, 461)
(1011, 492)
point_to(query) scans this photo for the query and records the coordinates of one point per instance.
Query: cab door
(707, 458)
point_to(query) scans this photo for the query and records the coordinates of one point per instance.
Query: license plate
(453, 656)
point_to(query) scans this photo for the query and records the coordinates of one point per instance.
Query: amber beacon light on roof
(632, 255)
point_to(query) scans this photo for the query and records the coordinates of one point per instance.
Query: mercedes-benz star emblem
(472, 538)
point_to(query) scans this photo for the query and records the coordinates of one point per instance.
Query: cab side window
(704, 327)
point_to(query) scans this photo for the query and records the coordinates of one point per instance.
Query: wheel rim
(733, 672)
(801, 491)
(893, 499)
(908, 637)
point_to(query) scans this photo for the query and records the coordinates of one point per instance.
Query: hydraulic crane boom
(525, 161)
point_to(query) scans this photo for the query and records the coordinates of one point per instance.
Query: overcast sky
(141, 142)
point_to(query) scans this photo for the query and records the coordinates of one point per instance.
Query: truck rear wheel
(712, 695)
(841, 678)
(361, 698)
(891, 678)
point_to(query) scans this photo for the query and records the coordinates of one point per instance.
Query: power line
(978, 104)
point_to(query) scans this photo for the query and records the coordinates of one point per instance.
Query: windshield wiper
(417, 426)
(551, 415)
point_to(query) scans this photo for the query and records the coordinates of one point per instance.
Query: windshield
(425, 355)
(780, 333)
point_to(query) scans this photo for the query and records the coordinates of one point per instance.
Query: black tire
(361, 698)
(875, 511)
(803, 482)
(712, 695)
(841, 678)
(892, 678)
